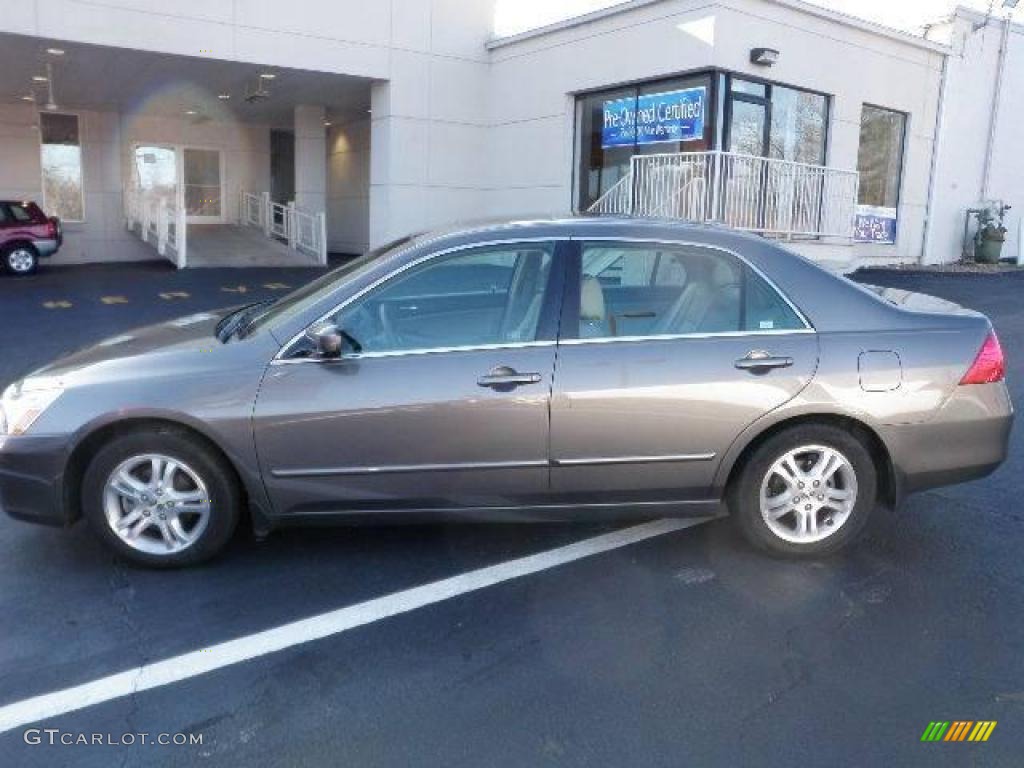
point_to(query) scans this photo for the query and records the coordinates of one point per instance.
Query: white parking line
(241, 649)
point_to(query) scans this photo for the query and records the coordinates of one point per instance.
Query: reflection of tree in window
(880, 159)
(61, 158)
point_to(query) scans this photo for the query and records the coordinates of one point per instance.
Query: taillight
(51, 229)
(989, 366)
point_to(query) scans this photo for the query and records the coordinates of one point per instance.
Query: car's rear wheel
(21, 260)
(161, 499)
(806, 491)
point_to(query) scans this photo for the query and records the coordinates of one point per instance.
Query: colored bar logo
(959, 730)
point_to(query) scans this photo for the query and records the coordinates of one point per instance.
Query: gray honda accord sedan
(576, 369)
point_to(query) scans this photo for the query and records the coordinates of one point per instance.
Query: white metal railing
(301, 230)
(159, 220)
(756, 194)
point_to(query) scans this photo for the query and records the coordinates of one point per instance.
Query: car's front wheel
(21, 260)
(161, 498)
(806, 491)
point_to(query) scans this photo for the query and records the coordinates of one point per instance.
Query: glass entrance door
(156, 170)
(203, 185)
(747, 127)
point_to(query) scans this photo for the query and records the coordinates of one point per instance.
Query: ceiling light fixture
(55, 51)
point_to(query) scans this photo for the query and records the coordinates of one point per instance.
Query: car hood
(192, 334)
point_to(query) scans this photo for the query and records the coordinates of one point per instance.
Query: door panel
(444, 402)
(404, 432)
(648, 418)
(653, 418)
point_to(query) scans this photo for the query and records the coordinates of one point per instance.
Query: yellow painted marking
(114, 300)
(171, 295)
(235, 289)
(276, 286)
(57, 304)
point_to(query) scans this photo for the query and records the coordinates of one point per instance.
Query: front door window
(486, 296)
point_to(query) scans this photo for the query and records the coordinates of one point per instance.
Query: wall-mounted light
(327, 123)
(268, 75)
(55, 51)
(39, 78)
(190, 112)
(764, 57)
(223, 96)
(28, 97)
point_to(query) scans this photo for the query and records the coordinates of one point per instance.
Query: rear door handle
(504, 377)
(758, 360)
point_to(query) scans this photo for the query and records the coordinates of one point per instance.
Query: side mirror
(328, 340)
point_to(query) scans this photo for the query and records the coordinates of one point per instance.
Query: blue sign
(673, 116)
(873, 224)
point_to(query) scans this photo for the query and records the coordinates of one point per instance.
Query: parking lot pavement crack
(122, 591)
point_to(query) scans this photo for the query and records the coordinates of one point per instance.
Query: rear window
(22, 212)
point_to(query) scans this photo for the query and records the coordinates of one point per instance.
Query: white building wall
(967, 115)
(429, 123)
(348, 187)
(533, 81)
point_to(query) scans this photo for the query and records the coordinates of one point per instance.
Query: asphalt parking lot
(686, 649)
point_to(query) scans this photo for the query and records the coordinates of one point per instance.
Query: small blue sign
(873, 224)
(655, 118)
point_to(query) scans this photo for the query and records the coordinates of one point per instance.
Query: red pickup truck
(26, 234)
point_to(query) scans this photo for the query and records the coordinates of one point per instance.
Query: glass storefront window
(652, 118)
(798, 126)
(880, 162)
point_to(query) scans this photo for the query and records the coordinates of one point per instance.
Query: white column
(310, 158)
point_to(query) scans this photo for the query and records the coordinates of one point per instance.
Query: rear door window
(667, 290)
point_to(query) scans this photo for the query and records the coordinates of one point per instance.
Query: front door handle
(759, 361)
(503, 377)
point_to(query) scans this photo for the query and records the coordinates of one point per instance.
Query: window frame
(81, 165)
(573, 279)
(766, 102)
(547, 323)
(716, 121)
(903, 162)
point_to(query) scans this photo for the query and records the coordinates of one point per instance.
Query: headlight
(22, 404)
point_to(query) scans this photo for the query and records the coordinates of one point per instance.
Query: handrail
(159, 221)
(747, 192)
(303, 231)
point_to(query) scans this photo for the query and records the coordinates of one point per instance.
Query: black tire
(745, 495)
(225, 498)
(21, 260)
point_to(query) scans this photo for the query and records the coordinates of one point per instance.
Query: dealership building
(211, 132)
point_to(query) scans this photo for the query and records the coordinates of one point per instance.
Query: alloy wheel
(156, 504)
(21, 260)
(808, 494)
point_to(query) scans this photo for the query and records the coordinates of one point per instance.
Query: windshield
(301, 299)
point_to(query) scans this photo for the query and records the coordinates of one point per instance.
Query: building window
(651, 118)
(768, 120)
(880, 162)
(62, 166)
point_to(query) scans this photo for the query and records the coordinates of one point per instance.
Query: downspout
(996, 100)
(940, 112)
